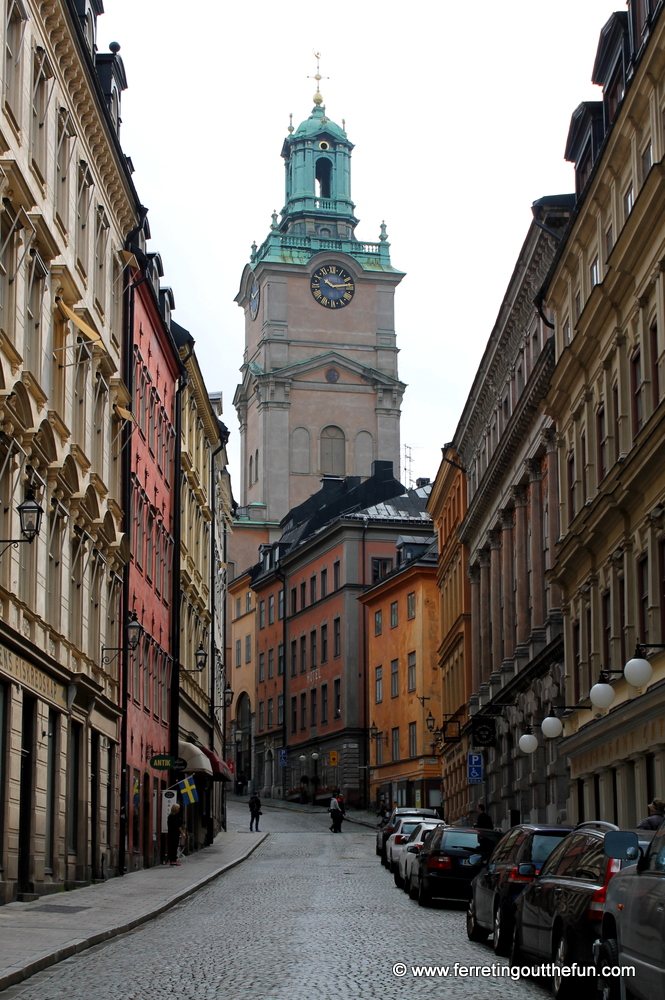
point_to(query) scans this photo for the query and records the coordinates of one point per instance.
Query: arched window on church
(363, 453)
(323, 177)
(333, 452)
(256, 466)
(251, 470)
(300, 451)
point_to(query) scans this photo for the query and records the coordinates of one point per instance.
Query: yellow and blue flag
(188, 789)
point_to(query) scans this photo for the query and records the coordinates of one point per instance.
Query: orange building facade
(404, 686)
(241, 605)
(447, 506)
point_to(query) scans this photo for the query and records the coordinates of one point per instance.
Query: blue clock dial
(332, 286)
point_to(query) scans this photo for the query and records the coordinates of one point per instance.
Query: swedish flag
(188, 789)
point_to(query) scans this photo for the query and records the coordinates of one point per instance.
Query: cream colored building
(205, 521)
(606, 293)
(68, 205)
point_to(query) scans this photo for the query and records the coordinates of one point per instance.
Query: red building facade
(151, 495)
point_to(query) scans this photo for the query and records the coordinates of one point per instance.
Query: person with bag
(174, 832)
(335, 815)
(254, 811)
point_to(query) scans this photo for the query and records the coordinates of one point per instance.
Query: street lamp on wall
(637, 671)
(30, 515)
(133, 633)
(200, 658)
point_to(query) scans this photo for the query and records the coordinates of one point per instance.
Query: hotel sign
(30, 676)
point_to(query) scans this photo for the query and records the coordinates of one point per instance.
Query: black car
(633, 929)
(450, 858)
(558, 916)
(495, 889)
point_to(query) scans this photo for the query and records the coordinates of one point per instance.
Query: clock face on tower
(254, 297)
(332, 286)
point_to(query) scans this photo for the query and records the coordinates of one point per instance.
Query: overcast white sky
(459, 113)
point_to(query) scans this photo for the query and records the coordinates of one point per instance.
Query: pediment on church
(332, 367)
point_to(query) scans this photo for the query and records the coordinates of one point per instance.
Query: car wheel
(563, 987)
(501, 932)
(473, 931)
(608, 954)
(399, 881)
(392, 867)
(378, 851)
(412, 890)
(424, 895)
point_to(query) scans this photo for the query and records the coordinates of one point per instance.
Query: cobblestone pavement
(308, 914)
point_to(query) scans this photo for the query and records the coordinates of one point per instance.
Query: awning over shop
(197, 762)
(220, 769)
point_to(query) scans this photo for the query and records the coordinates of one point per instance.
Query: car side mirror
(622, 845)
(475, 859)
(413, 849)
(527, 870)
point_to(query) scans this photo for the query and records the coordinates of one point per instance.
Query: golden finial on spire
(318, 100)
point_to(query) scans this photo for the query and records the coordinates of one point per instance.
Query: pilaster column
(508, 582)
(473, 573)
(485, 633)
(552, 513)
(538, 611)
(521, 565)
(495, 598)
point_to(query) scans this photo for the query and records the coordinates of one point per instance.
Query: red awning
(220, 769)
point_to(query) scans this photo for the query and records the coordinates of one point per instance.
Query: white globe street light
(638, 671)
(528, 743)
(551, 727)
(602, 694)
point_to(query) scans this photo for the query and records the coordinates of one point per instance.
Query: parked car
(404, 827)
(408, 859)
(558, 915)
(450, 858)
(633, 925)
(382, 835)
(495, 889)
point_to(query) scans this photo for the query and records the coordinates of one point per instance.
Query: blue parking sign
(282, 758)
(475, 768)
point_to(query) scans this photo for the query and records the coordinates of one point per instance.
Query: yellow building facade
(606, 293)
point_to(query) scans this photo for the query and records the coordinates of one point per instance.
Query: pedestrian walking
(254, 811)
(342, 808)
(174, 832)
(655, 817)
(484, 821)
(335, 815)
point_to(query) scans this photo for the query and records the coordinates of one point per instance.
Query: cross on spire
(318, 99)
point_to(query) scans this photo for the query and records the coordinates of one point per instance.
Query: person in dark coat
(335, 815)
(174, 832)
(483, 821)
(254, 811)
(655, 817)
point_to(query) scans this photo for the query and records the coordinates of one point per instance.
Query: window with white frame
(84, 192)
(42, 88)
(14, 38)
(102, 231)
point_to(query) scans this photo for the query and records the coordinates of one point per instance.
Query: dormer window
(89, 29)
(614, 93)
(584, 168)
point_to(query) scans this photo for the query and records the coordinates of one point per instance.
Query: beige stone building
(68, 205)
(607, 295)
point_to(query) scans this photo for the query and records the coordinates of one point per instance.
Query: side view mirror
(475, 859)
(527, 871)
(622, 845)
(413, 849)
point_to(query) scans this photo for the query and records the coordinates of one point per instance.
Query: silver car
(409, 855)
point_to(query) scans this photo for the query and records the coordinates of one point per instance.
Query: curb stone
(15, 975)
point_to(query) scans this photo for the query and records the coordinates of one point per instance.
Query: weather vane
(317, 96)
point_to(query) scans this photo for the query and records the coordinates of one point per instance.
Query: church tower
(320, 395)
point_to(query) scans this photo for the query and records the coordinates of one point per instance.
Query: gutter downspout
(125, 472)
(365, 669)
(213, 659)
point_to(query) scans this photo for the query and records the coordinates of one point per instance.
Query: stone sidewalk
(36, 935)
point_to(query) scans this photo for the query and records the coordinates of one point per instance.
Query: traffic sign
(333, 758)
(282, 758)
(475, 768)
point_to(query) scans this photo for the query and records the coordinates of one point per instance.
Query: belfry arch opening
(323, 178)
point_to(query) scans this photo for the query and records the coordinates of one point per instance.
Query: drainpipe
(213, 660)
(125, 472)
(365, 667)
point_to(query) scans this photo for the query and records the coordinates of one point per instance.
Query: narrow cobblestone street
(307, 914)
